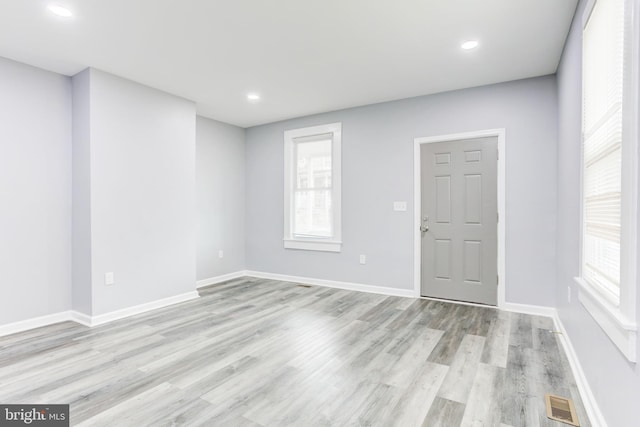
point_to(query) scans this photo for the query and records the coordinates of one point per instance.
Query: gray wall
(142, 185)
(614, 381)
(220, 198)
(35, 192)
(377, 168)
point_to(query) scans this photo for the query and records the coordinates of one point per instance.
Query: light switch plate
(400, 206)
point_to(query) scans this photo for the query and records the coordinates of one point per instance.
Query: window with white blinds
(603, 68)
(610, 79)
(312, 214)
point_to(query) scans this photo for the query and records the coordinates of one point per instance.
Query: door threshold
(452, 301)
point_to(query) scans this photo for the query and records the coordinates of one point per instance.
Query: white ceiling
(302, 56)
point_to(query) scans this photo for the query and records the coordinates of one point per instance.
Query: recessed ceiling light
(60, 11)
(253, 97)
(469, 44)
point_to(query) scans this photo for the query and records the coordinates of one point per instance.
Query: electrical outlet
(363, 259)
(109, 279)
(220, 254)
(569, 294)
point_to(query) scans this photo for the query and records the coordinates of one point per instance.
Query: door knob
(425, 227)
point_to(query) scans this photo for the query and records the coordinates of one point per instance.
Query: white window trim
(333, 244)
(618, 319)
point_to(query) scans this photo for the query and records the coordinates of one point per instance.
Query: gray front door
(460, 220)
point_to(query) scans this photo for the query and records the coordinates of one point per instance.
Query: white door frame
(417, 202)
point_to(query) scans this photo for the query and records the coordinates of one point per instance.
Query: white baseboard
(220, 279)
(588, 399)
(86, 320)
(36, 322)
(334, 284)
(83, 319)
(535, 310)
(138, 309)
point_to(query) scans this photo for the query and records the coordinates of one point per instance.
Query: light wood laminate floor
(253, 352)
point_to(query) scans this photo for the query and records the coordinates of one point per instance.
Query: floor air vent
(303, 286)
(561, 409)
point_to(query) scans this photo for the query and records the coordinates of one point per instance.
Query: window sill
(615, 324)
(313, 245)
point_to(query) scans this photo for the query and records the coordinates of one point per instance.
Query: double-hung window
(609, 165)
(312, 218)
